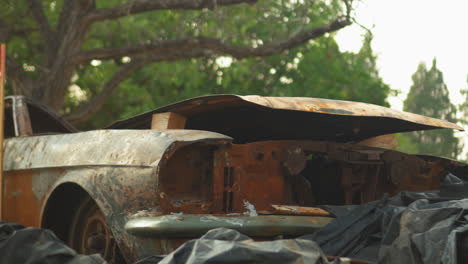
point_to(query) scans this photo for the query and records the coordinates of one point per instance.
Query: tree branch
(20, 81)
(70, 11)
(140, 6)
(6, 30)
(179, 49)
(87, 110)
(216, 46)
(9, 30)
(38, 13)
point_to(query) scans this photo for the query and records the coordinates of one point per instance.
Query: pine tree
(429, 96)
(463, 108)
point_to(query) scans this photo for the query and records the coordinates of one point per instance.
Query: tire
(90, 234)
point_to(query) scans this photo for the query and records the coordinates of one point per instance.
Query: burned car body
(256, 164)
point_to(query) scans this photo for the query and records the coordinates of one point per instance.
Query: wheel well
(60, 208)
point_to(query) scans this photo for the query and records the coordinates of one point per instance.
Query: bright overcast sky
(411, 31)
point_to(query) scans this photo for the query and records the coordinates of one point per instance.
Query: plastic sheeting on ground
(223, 245)
(34, 246)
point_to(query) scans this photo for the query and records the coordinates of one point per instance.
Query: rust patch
(250, 172)
(185, 180)
(247, 178)
(20, 205)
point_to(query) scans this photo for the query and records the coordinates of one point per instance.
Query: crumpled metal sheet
(355, 120)
(341, 107)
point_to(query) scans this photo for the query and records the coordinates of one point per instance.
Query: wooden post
(168, 120)
(385, 141)
(2, 114)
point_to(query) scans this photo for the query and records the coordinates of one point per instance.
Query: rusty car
(260, 165)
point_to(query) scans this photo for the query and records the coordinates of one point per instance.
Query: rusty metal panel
(98, 148)
(20, 204)
(185, 180)
(118, 191)
(153, 173)
(25, 194)
(246, 173)
(348, 108)
(118, 169)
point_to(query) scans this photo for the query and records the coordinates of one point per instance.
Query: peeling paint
(250, 209)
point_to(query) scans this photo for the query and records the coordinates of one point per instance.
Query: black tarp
(411, 227)
(408, 228)
(20, 245)
(223, 245)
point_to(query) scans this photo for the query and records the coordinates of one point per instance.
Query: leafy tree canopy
(463, 108)
(132, 56)
(316, 69)
(54, 46)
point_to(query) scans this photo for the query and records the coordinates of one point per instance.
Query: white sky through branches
(411, 31)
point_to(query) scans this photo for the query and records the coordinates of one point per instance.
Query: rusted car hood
(253, 118)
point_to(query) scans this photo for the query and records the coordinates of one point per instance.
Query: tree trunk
(53, 83)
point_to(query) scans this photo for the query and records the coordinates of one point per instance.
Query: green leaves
(463, 108)
(318, 69)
